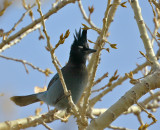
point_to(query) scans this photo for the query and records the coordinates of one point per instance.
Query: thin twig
(118, 82)
(152, 35)
(139, 118)
(156, 23)
(154, 120)
(100, 79)
(117, 128)
(102, 88)
(45, 125)
(156, 4)
(154, 12)
(58, 62)
(150, 98)
(19, 37)
(113, 78)
(27, 63)
(33, 19)
(87, 18)
(20, 20)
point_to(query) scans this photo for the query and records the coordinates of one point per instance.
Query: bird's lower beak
(91, 51)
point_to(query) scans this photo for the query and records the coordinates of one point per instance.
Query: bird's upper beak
(90, 51)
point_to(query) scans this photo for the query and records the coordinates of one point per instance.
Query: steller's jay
(74, 73)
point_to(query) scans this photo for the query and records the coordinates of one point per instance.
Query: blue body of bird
(75, 76)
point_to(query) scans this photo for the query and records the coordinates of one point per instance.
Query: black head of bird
(80, 49)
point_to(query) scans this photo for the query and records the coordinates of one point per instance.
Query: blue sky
(123, 32)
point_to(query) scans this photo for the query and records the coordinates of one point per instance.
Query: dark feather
(24, 100)
(80, 39)
(56, 77)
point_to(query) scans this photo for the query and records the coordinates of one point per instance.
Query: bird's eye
(81, 47)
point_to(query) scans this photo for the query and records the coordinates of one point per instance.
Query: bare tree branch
(144, 36)
(46, 72)
(18, 38)
(156, 4)
(120, 80)
(20, 20)
(31, 121)
(86, 18)
(51, 49)
(30, 26)
(149, 83)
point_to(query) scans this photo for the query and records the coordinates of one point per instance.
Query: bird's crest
(80, 38)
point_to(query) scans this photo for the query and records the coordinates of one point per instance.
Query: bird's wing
(53, 80)
(60, 98)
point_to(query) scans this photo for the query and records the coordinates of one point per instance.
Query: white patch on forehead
(80, 47)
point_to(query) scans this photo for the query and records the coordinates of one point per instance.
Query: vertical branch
(110, 18)
(51, 50)
(93, 64)
(144, 36)
(156, 27)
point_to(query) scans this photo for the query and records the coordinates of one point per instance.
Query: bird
(74, 73)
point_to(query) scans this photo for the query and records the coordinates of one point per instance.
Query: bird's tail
(25, 100)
